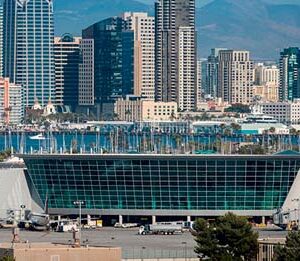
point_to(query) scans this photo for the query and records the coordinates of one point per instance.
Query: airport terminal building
(163, 185)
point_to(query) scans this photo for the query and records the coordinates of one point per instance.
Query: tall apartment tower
(66, 54)
(235, 77)
(175, 53)
(289, 86)
(143, 27)
(86, 91)
(1, 40)
(212, 72)
(28, 39)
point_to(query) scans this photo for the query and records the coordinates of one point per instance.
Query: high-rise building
(199, 83)
(266, 86)
(28, 37)
(143, 27)
(175, 53)
(86, 92)
(289, 87)
(66, 53)
(235, 77)
(1, 39)
(266, 74)
(11, 102)
(212, 72)
(113, 63)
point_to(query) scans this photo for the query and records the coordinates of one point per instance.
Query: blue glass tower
(289, 74)
(113, 61)
(28, 36)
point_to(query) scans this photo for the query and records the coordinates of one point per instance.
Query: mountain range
(261, 26)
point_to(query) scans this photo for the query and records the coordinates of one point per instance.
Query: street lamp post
(79, 203)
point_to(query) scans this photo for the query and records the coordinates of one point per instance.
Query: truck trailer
(160, 229)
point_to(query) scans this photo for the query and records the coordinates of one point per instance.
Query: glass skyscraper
(28, 37)
(113, 60)
(289, 74)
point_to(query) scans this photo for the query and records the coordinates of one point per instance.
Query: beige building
(266, 74)
(11, 102)
(133, 109)
(267, 92)
(266, 83)
(284, 112)
(159, 111)
(187, 70)
(128, 109)
(56, 252)
(235, 77)
(143, 27)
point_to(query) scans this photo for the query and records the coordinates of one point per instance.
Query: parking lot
(133, 245)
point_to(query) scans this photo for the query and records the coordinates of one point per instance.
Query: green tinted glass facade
(139, 182)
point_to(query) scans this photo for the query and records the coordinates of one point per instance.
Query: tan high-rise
(235, 77)
(175, 51)
(144, 53)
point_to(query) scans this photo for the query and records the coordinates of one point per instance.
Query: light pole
(79, 203)
(185, 250)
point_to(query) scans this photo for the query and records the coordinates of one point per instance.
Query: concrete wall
(50, 252)
(15, 191)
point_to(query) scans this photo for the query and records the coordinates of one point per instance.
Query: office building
(66, 54)
(1, 39)
(128, 109)
(28, 37)
(266, 93)
(113, 64)
(235, 77)
(284, 112)
(164, 185)
(11, 102)
(86, 92)
(212, 72)
(175, 53)
(143, 27)
(135, 109)
(266, 86)
(266, 74)
(289, 88)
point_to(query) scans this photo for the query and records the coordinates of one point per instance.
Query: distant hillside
(258, 25)
(254, 25)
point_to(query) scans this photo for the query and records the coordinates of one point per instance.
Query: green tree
(291, 250)
(229, 238)
(252, 149)
(272, 130)
(238, 108)
(7, 258)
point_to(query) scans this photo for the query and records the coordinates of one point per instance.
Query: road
(133, 245)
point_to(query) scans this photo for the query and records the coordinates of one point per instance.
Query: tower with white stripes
(28, 39)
